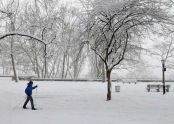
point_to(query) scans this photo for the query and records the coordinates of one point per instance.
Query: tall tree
(113, 25)
(10, 12)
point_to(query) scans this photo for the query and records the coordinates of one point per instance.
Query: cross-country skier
(28, 92)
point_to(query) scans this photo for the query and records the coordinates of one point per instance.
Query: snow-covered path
(85, 103)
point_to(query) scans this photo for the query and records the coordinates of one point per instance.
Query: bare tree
(58, 28)
(114, 24)
(10, 13)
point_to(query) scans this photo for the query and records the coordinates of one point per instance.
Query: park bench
(157, 87)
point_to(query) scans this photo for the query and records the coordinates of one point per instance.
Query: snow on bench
(157, 87)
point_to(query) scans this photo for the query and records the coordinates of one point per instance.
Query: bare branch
(21, 34)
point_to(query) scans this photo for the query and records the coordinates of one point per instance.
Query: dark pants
(29, 98)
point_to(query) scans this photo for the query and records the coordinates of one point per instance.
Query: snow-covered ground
(85, 103)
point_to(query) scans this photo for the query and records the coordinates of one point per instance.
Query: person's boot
(24, 107)
(33, 108)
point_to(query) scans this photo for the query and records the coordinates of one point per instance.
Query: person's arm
(34, 87)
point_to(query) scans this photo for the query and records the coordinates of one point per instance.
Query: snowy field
(85, 103)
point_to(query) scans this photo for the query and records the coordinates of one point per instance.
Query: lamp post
(163, 75)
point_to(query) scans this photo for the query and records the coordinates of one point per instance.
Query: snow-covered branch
(21, 34)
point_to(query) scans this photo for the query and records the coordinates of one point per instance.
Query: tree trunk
(14, 69)
(103, 72)
(45, 61)
(63, 65)
(75, 69)
(109, 85)
(67, 61)
(97, 71)
(37, 68)
(12, 28)
(3, 66)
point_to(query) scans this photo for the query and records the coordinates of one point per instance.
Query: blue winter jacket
(29, 89)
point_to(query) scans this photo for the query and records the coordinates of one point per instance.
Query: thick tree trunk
(12, 45)
(109, 85)
(14, 69)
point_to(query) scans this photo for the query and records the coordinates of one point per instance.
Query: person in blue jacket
(28, 92)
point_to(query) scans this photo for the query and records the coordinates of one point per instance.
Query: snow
(85, 103)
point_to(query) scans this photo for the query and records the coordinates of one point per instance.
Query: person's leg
(32, 103)
(24, 106)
